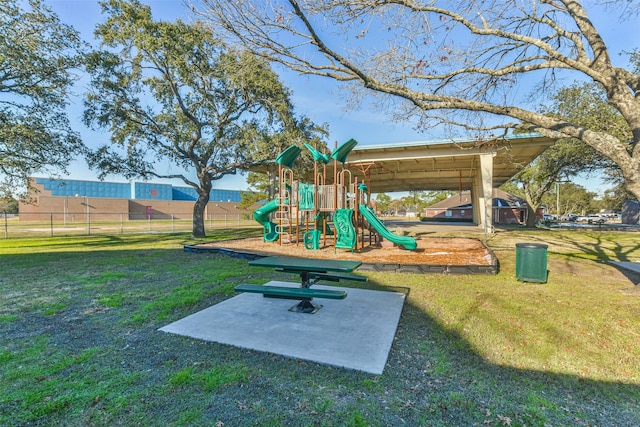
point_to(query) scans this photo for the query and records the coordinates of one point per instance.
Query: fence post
(51, 222)
(88, 222)
(6, 226)
(121, 224)
(173, 228)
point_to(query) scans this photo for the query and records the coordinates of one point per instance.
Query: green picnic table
(310, 271)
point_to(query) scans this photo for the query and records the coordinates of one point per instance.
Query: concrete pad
(633, 266)
(353, 333)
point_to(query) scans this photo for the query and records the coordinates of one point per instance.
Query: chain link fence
(101, 223)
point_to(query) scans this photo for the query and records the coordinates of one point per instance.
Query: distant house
(507, 209)
(455, 208)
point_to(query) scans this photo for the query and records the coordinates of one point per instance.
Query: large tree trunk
(198, 217)
(630, 168)
(531, 216)
(533, 199)
(199, 207)
(634, 188)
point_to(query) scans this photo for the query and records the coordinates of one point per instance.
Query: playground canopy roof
(442, 165)
(451, 164)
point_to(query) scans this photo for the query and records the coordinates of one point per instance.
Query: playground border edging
(491, 269)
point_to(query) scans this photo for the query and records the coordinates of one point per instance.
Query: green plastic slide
(407, 241)
(262, 216)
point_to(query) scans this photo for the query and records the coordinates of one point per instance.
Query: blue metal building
(132, 190)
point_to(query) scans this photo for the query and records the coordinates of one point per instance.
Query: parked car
(591, 219)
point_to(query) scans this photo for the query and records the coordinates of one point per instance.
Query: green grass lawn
(80, 346)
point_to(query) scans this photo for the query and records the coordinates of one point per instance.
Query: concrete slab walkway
(354, 333)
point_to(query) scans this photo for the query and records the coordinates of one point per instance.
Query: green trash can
(531, 262)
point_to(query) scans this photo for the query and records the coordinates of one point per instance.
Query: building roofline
(436, 142)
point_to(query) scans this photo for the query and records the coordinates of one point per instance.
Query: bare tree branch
(437, 60)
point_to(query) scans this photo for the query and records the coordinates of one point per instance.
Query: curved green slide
(406, 241)
(262, 216)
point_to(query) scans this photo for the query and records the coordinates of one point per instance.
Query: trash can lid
(532, 245)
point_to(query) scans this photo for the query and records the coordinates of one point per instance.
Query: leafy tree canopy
(8, 205)
(172, 92)
(38, 55)
(263, 185)
(383, 202)
(584, 104)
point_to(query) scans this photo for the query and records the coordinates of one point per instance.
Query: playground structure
(323, 213)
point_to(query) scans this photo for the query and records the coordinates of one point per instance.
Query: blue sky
(316, 97)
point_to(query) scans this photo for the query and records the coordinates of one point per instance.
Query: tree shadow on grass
(457, 386)
(605, 248)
